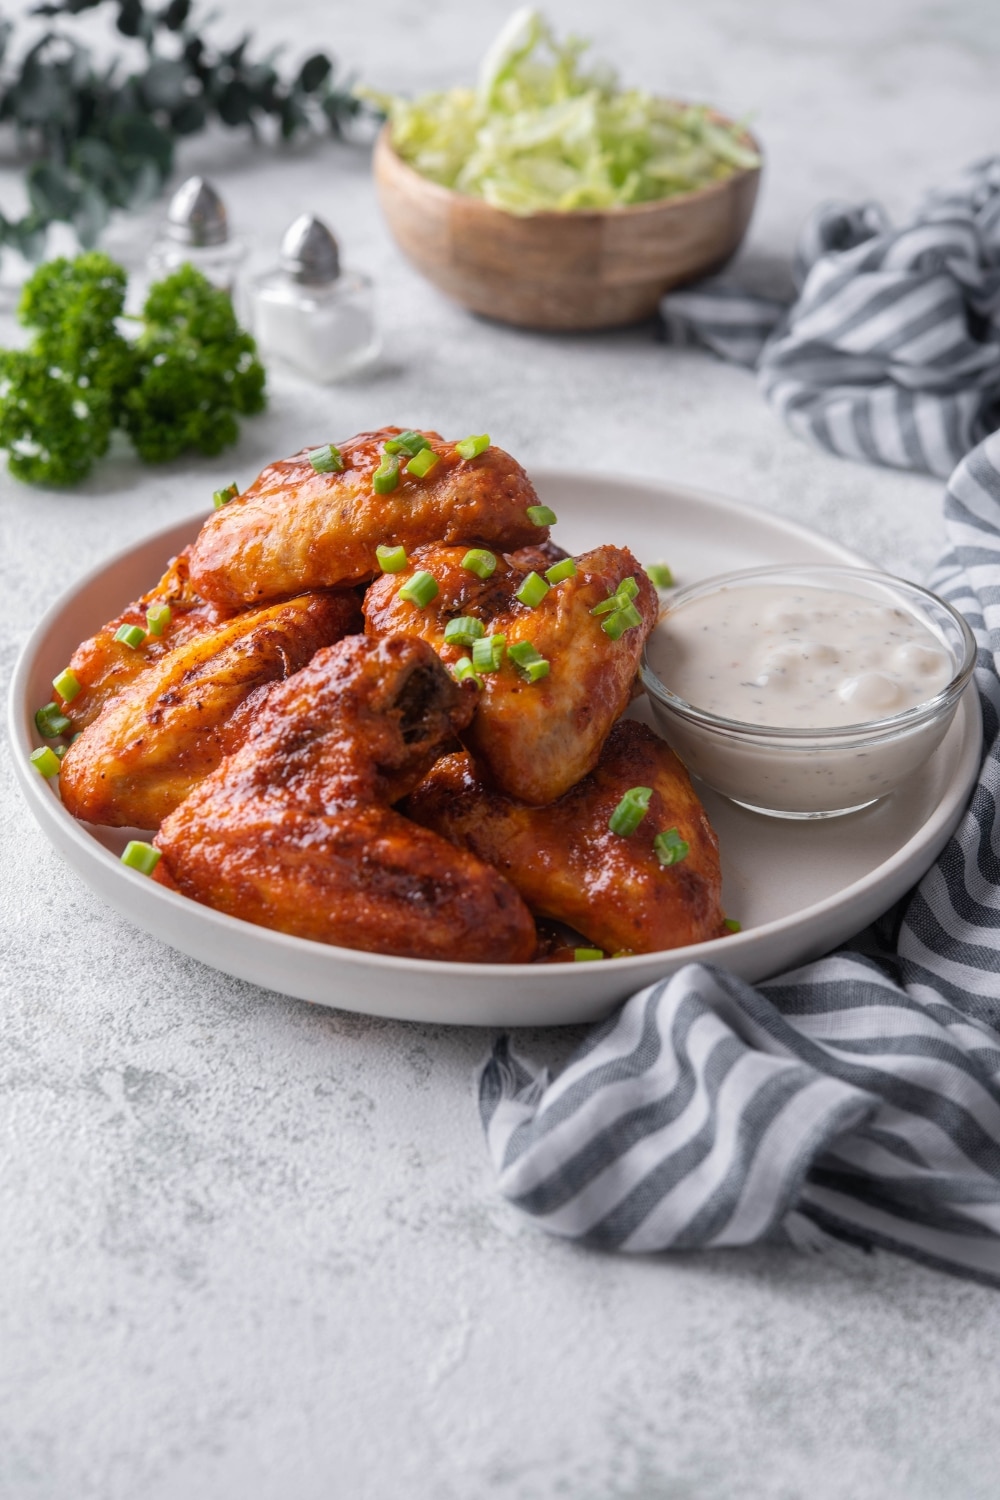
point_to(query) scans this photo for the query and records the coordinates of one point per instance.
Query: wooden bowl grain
(574, 270)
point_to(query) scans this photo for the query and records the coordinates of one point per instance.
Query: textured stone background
(251, 1249)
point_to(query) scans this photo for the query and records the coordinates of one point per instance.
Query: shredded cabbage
(539, 132)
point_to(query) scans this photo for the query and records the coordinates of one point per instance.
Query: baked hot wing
(297, 529)
(149, 747)
(295, 830)
(105, 667)
(535, 738)
(570, 867)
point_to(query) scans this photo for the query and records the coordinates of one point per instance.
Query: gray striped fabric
(858, 1097)
(891, 351)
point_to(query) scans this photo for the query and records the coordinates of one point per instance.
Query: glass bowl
(819, 770)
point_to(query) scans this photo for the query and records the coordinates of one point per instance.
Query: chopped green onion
(731, 925)
(624, 953)
(528, 661)
(660, 576)
(50, 721)
(463, 631)
(420, 589)
(130, 635)
(386, 476)
(670, 848)
(480, 562)
(59, 750)
(45, 761)
(587, 955)
(391, 559)
(223, 497)
(464, 671)
(158, 617)
(140, 856)
(327, 460)
(561, 570)
(541, 515)
(532, 590)
(487, 654)
(423, 462)
(408, 442)
(67, 685)
(627, 589)
(623, 594)
(471, 447)
(630, 811)
(617, 624)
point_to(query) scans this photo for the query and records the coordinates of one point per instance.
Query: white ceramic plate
(797, 888)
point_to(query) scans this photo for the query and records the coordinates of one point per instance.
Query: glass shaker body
(326, 330)
(219, 264)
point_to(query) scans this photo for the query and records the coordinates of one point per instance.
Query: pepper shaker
(197, 233)
(309, 311)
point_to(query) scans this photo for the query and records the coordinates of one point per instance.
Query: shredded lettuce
(541, 132)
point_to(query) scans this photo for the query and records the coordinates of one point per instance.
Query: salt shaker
(197, 233)
(311, 313)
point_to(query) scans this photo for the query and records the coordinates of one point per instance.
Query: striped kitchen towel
(858, 1097)
(891, 351)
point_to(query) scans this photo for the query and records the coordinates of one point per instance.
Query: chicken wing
(297, 529)
(104, 666)
(149, 747)
(536, 738)
(295, 831)
(570, 867)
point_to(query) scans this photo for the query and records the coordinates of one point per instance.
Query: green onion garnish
(471, 447)
(223, 497)
(541, 515)
(423, 462)
(408, 442)
(463, 631)
(630, 811)
(528, 661)
(487, 654)
(627, 589)
(480, 562)
(386, 476)
(326, 460)
(532, 590)
(731, 925)
(140, 856)
(45, 761)
(158, 617)
(586, 955)
(59, 751)
(561, 570)
(420, 589)
(391, 559)
(67, 685)
(130, 635)
(623, 594)
(670, 848)
(464, 671)
(617, 624)
(50, 721)
(660, 576)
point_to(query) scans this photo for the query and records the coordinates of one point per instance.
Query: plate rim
(45, 806)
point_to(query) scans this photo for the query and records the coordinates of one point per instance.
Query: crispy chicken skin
(294, 529)
(568, 865)
(295, 830)
(149, 747)
(104, 666)
(536, 739)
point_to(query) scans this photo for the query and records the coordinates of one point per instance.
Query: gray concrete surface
(252, 1249)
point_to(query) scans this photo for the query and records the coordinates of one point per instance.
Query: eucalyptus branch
(103, 136)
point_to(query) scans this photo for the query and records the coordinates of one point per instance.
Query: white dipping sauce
(790, 657)
(799, 658)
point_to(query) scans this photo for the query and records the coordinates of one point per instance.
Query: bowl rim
(384, 146)
(866, 730)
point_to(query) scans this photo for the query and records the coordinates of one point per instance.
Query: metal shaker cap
(309, 252)
(197, 215)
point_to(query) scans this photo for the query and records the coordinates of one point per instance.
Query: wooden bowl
(571, 270)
